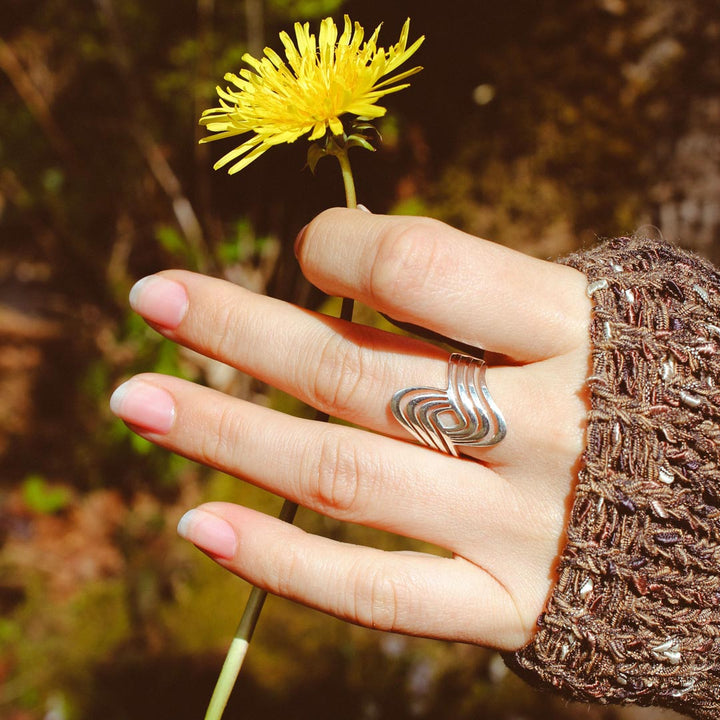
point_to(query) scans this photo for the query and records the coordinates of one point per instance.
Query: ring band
(463, 415)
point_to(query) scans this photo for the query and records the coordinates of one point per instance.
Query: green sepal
(359, 134)
(359, 141)
(314, 154)
(364, 126)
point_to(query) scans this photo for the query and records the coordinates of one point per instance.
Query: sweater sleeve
(634, 616)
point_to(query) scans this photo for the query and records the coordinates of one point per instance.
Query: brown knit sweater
(635, 614)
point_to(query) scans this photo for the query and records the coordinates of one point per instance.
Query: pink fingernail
(210, 533)
(159, 300)
(148, 406)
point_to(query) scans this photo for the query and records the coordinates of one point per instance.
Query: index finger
(423, 272)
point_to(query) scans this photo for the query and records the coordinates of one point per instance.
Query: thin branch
(34, 100)
(151, 151)
(203, 93)
(255, 26)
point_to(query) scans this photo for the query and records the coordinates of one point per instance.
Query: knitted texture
(635, 614)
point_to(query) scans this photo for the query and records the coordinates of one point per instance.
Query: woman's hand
(500, 511)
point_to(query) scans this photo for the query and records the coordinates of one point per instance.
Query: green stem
(241, 640)
(348, 305)
(251, 614)
(347, 176)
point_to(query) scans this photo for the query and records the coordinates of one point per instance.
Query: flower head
(320, 80)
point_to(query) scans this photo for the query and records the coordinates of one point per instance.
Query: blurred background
(542, 125)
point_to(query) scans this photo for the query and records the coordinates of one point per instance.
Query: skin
(500, 512)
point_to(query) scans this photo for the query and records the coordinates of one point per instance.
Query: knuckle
(219, 447)
(282, 575)
(406, 257)
(222, 329)
(338, 373)
(378, 598)
(335, 476)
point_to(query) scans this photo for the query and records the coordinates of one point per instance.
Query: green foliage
(243, 245)
(10, 632)
(172, 241)
(68, 638)
(410, 206)
(300, 9)
(42, 497)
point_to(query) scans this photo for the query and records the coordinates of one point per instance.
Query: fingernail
(159, 300)
(210, 533)
(148, 406)
(363, 208)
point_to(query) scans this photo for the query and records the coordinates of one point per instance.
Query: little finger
(446, 598)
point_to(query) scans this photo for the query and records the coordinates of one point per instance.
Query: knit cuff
(635, 614)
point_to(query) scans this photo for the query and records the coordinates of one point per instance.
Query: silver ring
(463, 415)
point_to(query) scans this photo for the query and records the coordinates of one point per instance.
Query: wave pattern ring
(463, 415)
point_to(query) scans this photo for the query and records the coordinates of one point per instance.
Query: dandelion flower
(320, 80)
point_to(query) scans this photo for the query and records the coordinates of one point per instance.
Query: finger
(446, 598)
(423, 272)
(342, 472)
(347, 370)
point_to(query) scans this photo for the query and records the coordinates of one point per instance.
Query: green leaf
(42, 497)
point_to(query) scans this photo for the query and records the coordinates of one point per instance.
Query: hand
(500, 511)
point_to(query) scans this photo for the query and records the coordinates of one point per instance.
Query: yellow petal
(318, 131)
(336, 127)
(237, 152)
(254, 155)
